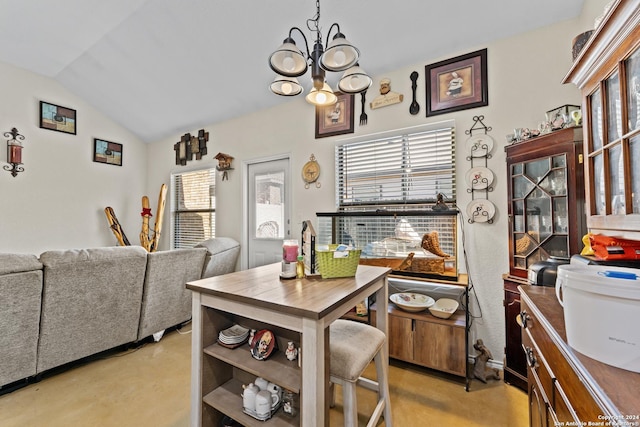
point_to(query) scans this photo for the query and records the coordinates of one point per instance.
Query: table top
(312, 297)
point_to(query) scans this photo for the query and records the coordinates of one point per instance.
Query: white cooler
(602, 312)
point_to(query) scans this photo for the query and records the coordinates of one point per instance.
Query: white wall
(58, 201)
(525, 75)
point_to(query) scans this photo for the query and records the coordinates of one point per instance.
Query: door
(268, 201)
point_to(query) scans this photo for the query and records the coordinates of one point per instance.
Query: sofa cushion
(166, 301)
(222, 255)
(90, 302)
(16, 263)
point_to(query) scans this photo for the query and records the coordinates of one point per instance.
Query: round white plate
(481, 210)
(479, 145)
(479, 178)
(411, 301)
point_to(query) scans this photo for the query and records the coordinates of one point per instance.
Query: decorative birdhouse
(224, 164)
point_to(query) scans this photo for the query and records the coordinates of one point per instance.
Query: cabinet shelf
(457, 319)
(277, 368)
(227, 399)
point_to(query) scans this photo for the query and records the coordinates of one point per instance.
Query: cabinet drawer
(563, 409)
(582, 405)
(538, 367)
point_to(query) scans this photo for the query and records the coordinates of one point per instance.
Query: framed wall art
(336, 119)
(55, 117)
(457, 84)
(107, 152)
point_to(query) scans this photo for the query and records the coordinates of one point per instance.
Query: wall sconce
(14, 152)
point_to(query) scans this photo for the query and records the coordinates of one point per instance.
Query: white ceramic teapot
(249, 396)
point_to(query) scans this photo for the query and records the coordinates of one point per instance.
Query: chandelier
(290, 62)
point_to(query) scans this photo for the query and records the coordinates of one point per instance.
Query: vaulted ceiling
(164, 67)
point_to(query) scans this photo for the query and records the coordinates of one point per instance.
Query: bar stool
(353, 345)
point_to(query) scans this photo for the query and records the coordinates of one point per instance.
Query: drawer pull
(522, 319)
(531, 357)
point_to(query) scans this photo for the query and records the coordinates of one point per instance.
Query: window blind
(193, 207)
(405, 169)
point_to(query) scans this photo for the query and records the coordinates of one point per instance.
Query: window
(194, 207)
(408, 168)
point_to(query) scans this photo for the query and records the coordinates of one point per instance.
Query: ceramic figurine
(292, 351)
(252, 333)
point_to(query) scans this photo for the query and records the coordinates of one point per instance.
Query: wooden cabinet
(607, 72)
(566, 387)
(546, 218)
(545, 198)
(426, 340)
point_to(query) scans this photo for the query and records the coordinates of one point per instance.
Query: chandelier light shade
(354, 80)
(286, 86)
(323, 96)
(340, 54)
(290, 62)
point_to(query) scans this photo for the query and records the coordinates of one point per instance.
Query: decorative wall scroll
(190, 145)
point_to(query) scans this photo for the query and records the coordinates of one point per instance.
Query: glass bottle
(300, 268)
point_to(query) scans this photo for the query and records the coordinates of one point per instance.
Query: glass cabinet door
(613, 151)
(540, 212)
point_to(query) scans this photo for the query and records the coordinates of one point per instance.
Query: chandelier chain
(313, 23)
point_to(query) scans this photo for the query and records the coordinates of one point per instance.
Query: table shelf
(227, 399)
(277, 368)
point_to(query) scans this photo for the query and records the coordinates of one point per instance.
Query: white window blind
(411, 168)
(194, 207)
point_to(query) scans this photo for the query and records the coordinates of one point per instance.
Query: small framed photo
(107, 152)
(55, 117)
(457, 84)
(336, 119)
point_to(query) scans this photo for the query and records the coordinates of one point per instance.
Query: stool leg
(349, 404)
(332, 393)
(382, 372)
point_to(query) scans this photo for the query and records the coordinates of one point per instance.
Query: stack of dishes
(233, 337)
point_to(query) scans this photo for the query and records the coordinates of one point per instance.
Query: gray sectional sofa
(67, 305)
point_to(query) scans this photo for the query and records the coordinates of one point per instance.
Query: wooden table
(306, 306)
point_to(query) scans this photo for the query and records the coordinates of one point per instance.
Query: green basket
(331, 267)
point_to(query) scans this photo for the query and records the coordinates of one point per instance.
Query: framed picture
(335, 119)
(55, 117)
(457, 84)
(107, 152)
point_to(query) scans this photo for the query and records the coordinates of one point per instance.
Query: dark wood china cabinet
(607, 71)
(546, 218)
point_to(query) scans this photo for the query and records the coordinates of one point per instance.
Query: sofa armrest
(222, 255)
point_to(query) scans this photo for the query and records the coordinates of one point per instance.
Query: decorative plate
(411, 301)
(479, 178)
(263, 344)
(479, 145)
(481, 210)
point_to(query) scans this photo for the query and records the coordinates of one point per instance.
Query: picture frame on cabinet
(107, 152)
(336, 119)
(457, 83)
(57, 118)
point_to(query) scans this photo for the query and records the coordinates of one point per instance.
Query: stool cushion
(353, 346)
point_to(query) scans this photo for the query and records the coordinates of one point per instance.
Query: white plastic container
(602, 312)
